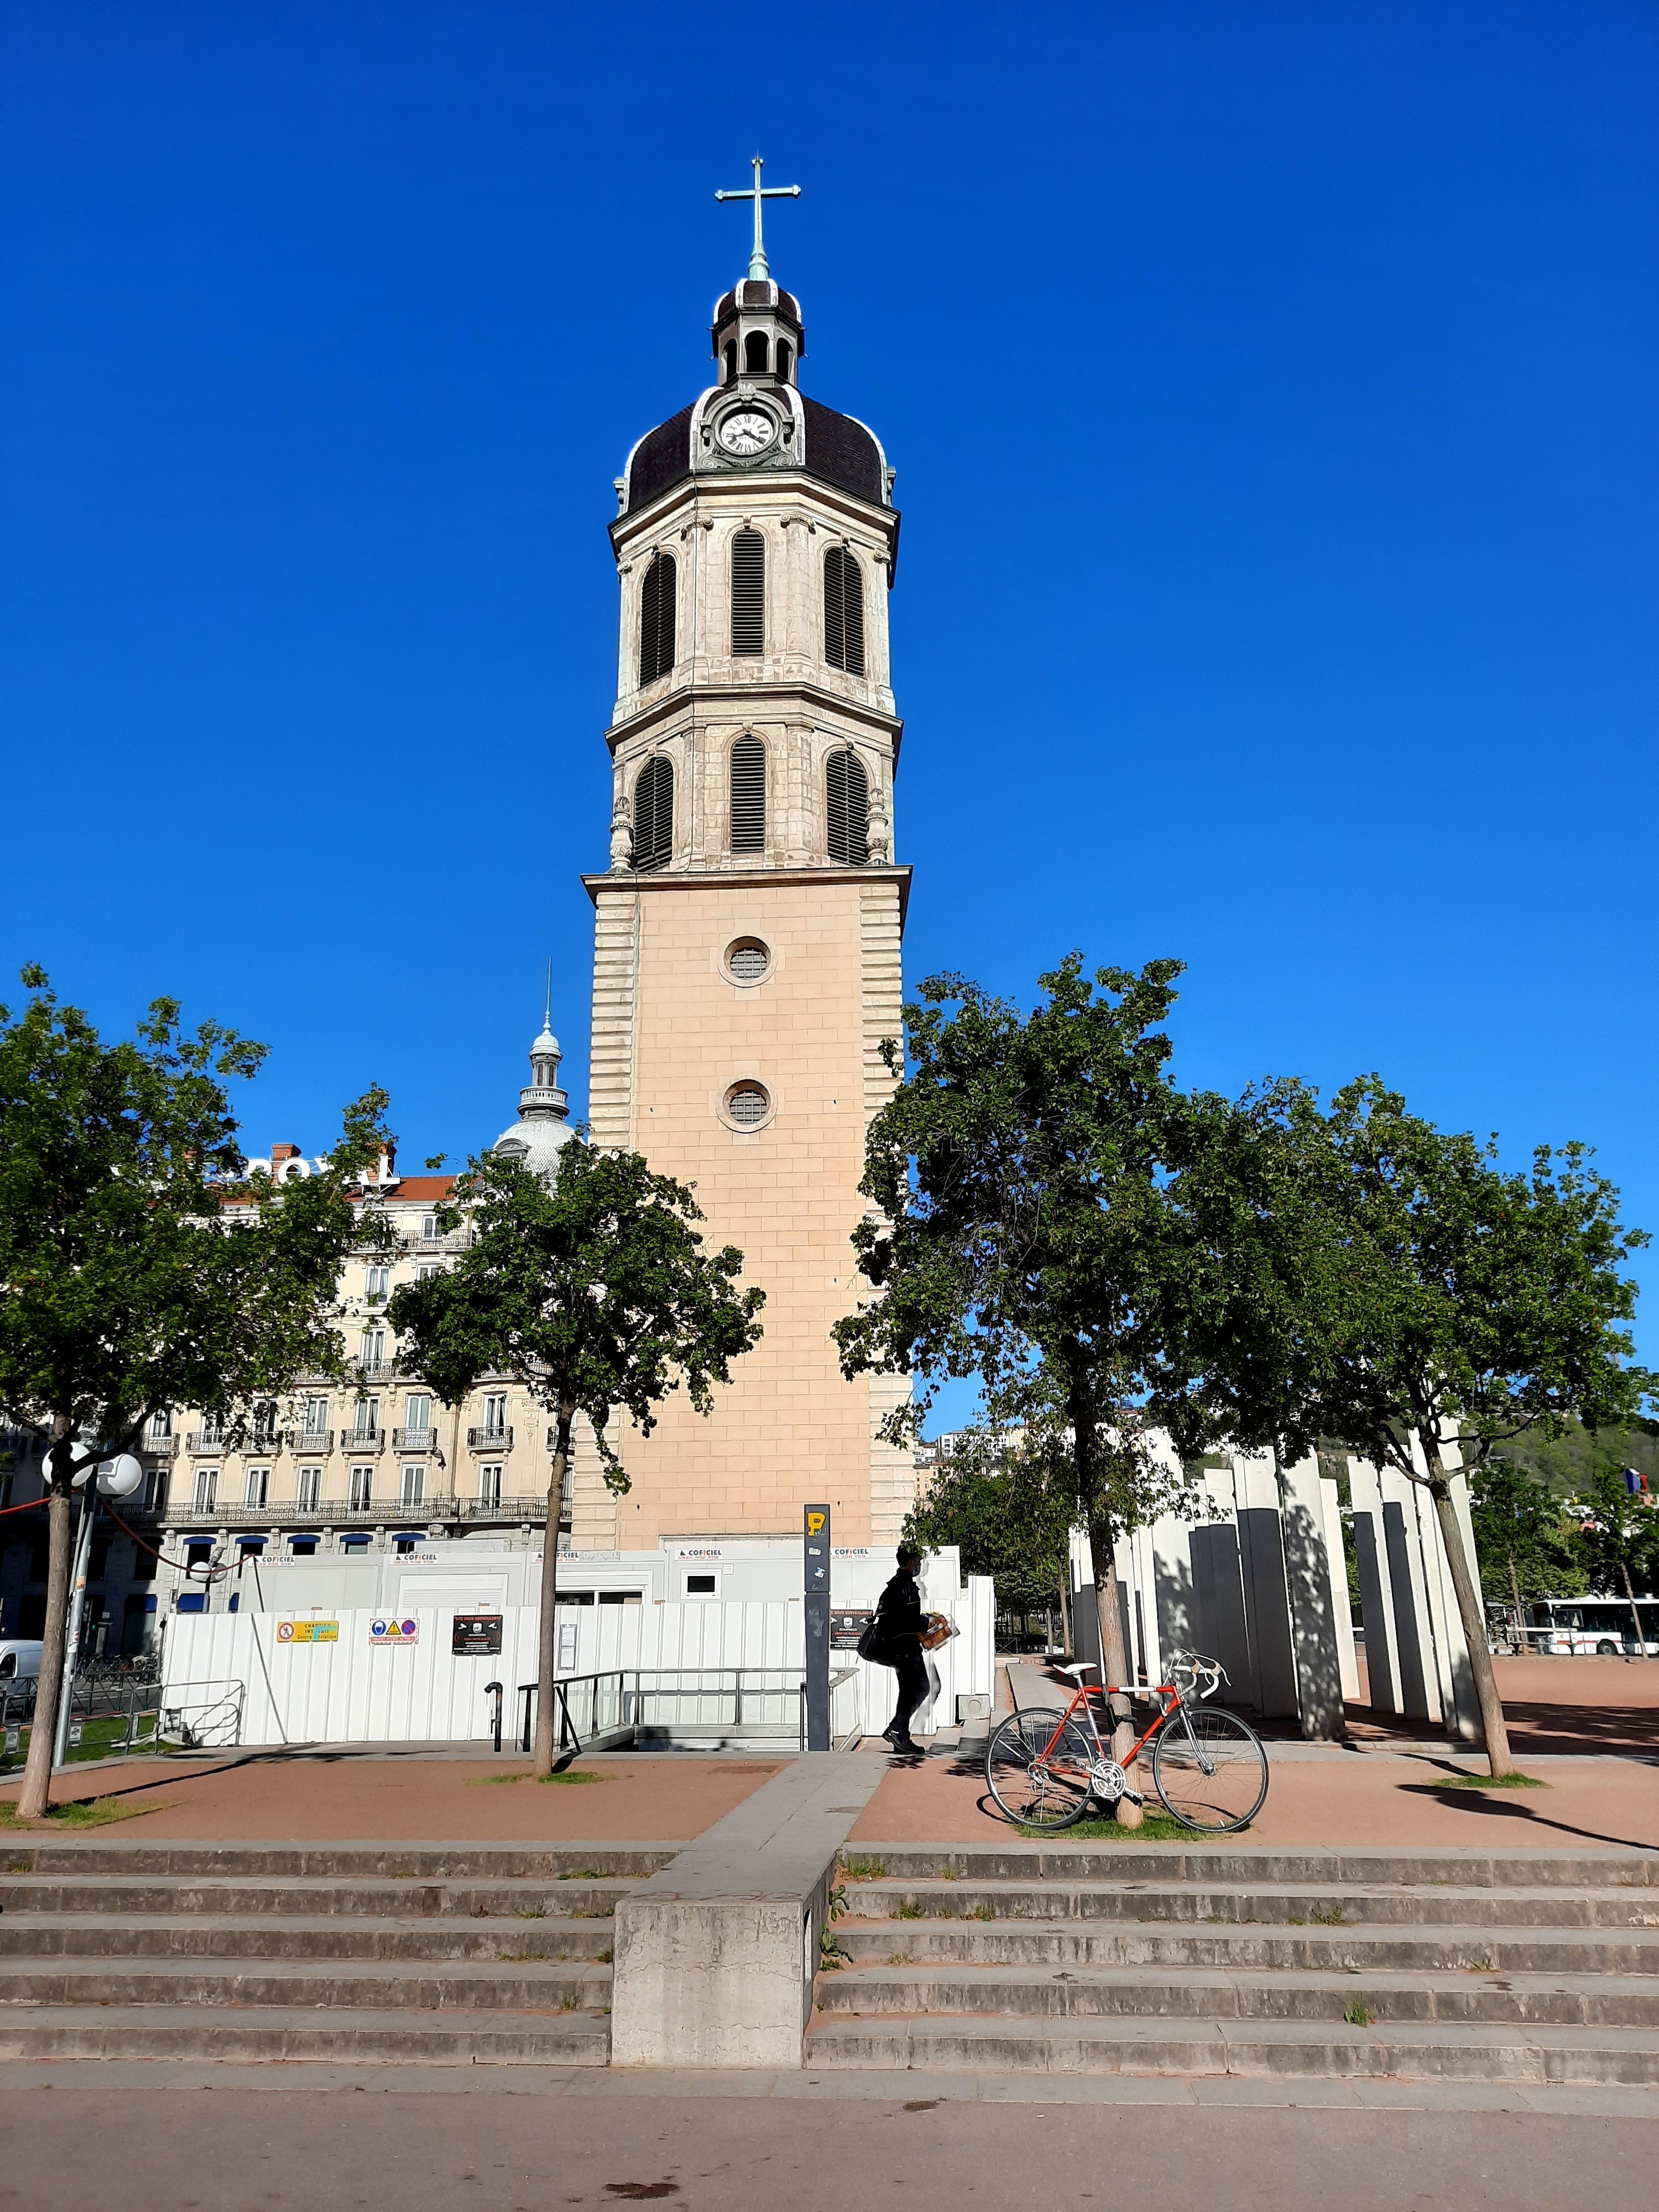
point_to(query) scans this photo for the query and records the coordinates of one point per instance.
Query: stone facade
(756, 1083)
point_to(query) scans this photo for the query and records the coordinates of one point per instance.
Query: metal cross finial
(757, 192)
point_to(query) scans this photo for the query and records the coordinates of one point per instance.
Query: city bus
(1603, 1627)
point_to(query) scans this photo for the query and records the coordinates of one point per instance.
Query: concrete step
(266, 1861)
(1196, 1993)
(295, 1896)
(1242, 1948)
(270, 1936)
(1281, 1905)
(357, 2038)
(1253, 1864)
(1143, 2045)
(551, 1985)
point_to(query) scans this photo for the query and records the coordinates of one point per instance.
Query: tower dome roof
(542, 1131)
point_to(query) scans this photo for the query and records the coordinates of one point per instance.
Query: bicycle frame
(1167, 1693)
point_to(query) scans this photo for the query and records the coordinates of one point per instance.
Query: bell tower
(747, 931)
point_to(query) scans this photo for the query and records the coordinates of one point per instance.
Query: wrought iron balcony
(374, 1371)
(208, 1443)
(311, 1443)
(521, 1506)
(489, 1440)
(360, 1444)
(160, 1447)
(414, 1440)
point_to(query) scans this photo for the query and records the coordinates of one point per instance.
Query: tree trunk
(547, 1629)
(43, 1732)
(1636, 1610)
(1492, 1724)
(1114, 1659)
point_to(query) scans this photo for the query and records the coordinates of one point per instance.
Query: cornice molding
(713, 879)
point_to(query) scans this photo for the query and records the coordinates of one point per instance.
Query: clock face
(746, 430)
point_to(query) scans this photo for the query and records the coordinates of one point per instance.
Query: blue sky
(1271, 391)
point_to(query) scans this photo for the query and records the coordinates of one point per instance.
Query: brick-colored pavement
(339, 1796)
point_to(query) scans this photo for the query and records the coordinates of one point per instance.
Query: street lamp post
(116, 1478)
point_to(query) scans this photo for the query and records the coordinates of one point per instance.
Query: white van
(20, 1661)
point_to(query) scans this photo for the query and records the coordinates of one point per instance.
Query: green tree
(1618, 1538)
(1022, 1234)
(1524, 1543)
(1361, 1276)
(998, 1502)
(141, 1269)
(592, 1290)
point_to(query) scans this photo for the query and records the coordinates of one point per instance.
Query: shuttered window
(748, 592)
(843, 611)
(748, 795)
(657, 619)
(653, 815)
(846, 790)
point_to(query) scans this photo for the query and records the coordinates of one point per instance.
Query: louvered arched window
(846, 791)
(653, 815)
(843, 611)
(748, 795)
(748, 593)
(657, 619)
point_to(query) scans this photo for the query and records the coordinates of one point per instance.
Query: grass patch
(85, 1812)
(1356, 2016)
(1155, 1828)
(1488, 1782)
(570, 1775)
(862, 1869)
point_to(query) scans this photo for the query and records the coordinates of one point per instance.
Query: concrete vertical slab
(1266, 1596)
(1341, 1606)
(1375, 1587)
(1310, 1610)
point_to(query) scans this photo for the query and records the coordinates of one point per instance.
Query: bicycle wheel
(1210, 1769)
(1037, 1768)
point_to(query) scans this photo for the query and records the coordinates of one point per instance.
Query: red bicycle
(1043, 1768)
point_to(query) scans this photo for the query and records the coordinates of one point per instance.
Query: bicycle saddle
(1080, 1667)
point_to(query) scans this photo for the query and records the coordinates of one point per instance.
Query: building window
(372, 1350)
(747, 1105)
(361, 1489)
(657, 619)
(213, 1431)
(308, 1488)
(786, 354)
(843, 611)
(495, 1413)
(428, 1229)
(748, 593)
(160, 1424)
(418, 1412)
(747, 961)
(191, 1601)
(315, 1420)
(700, 1585)
(255, 1489)
(748, 795)
(207, 1489)
(156, 1490)
(846, 791)
(654, 814)
(376, 1282)
(414, 1485)
(265, 1421)
(489, 1488)
(426, 1267)
(366, 1418)
(302, 1547)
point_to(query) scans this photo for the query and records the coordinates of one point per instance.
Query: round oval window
(747, 1106)
(747, 961)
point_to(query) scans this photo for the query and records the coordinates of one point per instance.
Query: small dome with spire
(542, 1130)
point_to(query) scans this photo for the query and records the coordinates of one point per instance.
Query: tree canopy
(142, 1266)
(591, 1288)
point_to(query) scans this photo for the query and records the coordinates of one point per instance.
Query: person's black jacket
(899, 1610)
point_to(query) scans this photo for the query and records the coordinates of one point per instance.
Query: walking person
(902, 1622)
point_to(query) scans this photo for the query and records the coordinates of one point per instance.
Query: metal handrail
(626, 1728)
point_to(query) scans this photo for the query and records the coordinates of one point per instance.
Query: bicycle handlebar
(1193, 1663)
